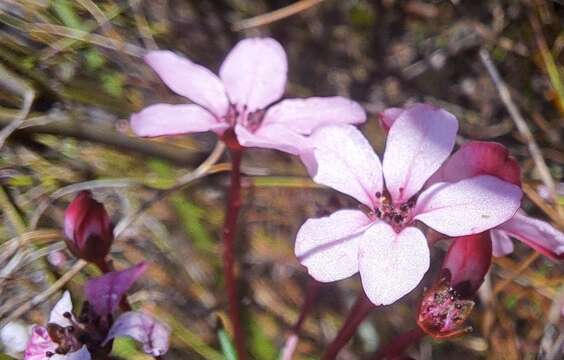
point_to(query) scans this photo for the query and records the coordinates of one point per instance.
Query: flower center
(396, 216)
(250, 120)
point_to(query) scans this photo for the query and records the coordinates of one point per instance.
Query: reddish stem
(229, 232)
(357, 314)
(399, 344)
(106, 267)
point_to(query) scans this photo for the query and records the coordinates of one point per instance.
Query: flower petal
(165, 119)
(419, 141)
(469, 206)
(82, 354)
(38, 345)
(150, 332)
(479, 158)
(389, 116)
(501, 243)
(391, 264)
(468, 260)
(343, 159)
(254, 73)
(190, 80)
(538, 234)
(105, 292)
(328, 246)
(64, 305)
(305, 115)
(272, 136)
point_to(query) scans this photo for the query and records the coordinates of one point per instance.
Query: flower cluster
(91, 333)
(472, 198)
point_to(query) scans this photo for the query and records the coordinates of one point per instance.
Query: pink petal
(389, 116)
(391, 264)
(469, 206)
(305, 115)
(501, 243)
(190, 80)
(38, 345)
(151, 333)
(419, 141)
(468, 260)
(272, 136)
(105, 292)
(64, 305)
(328, 246)
(254, 73)
(479, 158)
(538, 234)
(165, 119)
(344, 160)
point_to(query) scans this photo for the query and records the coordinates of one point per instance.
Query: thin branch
(519, 121)
(275, 15)
(43, 296)
(103, 135)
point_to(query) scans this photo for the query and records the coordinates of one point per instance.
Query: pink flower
(382, 242)
(251, 79)
(57, 341)
(480, 158)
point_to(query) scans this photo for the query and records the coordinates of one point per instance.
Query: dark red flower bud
(446, 306)
(88, 230)
(468, 260)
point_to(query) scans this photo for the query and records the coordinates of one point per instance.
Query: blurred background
(71, 73)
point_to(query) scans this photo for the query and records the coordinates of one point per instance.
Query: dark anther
(49, 354)
(378, 213)
(458, 306)
(67, 314)
(378, 194)
(398, 218)
(404, 207)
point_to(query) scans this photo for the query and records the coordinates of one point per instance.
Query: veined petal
(305, 115)
(538, 234)
(150, 332)
(190, 80)
(165, 119)
(328, 246)
(501, 242)
(479, 158)
(391, 264)
(469, 206)
(254, 73)
(38, 345)
(419, 141)
(343, 159)
(64, 305)
(105, 292)
(272, 136)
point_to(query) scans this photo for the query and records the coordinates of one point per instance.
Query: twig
(528, 261)
(275, 15)
(142, 25)
(43, 296)
(15, 84)
(88, 37)
(519, 121)
(207, 167)
(92, 132)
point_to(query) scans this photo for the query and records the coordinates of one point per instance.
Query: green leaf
(227, 346)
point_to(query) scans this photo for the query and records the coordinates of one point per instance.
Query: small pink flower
(486, 158)
(382, 242)
(88, 229)
(57, 341)
(251, 79)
